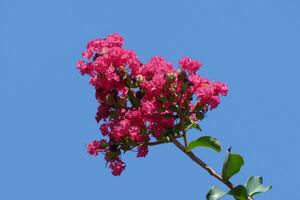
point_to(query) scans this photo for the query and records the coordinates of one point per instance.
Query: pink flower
(87, 54)
(95, 147)
(115, 40)
(102, 113)
(142, 151)
(148, 107)
(117, 134)
(135, 117)
(110, 74)
(213, 101)
(135, 134)
(189, 65)
(104, 129)
(193, 117)
(141, 102)
(84, 68)
(117, 166)
(220, 88)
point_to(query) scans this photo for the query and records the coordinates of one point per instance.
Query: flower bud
(139, 78)
(121, 102)
(110, 100)
(104, 50)
(103, 144)
(172, 90)
(171, 77)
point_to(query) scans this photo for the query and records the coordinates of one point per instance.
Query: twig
(184, 139)
(156, 143)
(161, 142)
(203, 164)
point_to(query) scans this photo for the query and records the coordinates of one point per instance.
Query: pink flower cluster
(141, 104)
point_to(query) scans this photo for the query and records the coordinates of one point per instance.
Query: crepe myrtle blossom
(141, 104)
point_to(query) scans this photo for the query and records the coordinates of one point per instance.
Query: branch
(185, 140)
(156, 143)
(203, 164)
(162, 142)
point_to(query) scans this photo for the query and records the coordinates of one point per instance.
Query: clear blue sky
(47, 109)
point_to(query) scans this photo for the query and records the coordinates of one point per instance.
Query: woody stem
(197, 160)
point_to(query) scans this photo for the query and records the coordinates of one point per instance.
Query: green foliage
(215, 193)
(254, 186)
(193, 125)
(205, 141)
(239, 193)
(232, 165)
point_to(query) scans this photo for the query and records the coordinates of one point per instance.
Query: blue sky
(47, 109)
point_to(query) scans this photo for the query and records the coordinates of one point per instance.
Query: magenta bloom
(192, 66)
(141, 103)
(142, 151)
(117, 166)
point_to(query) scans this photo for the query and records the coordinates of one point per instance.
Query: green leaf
(254, 185)
(196, 126)
(197, 108)
(239, 193)
(205, 141)
(215, 193)
(193, 125)
(232, 165)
